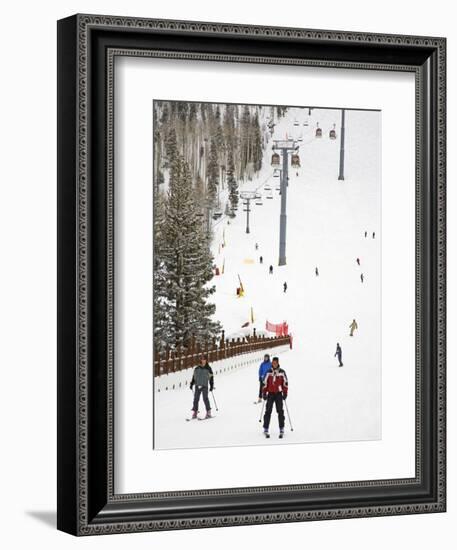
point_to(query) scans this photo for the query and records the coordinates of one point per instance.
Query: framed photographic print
(251, 274)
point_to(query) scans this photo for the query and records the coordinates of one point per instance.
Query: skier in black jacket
(338, 354)
(202, 379)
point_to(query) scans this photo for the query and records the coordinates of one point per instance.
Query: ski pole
(288, 415)
(261, 412)
(214, 399)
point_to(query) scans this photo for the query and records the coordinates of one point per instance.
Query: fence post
(221, 345)
(190, 353)
(171, 367)
(167, 360)
(213, 351)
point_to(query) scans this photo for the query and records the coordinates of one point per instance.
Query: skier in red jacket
(275, 389)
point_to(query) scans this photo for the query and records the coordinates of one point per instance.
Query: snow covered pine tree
(232, 185)
(186, 263)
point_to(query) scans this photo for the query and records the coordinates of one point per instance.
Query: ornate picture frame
(87, 501)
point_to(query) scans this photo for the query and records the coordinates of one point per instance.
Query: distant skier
(297, 174)
(361, 277)
(271, 270)
(285, 287)
(265, 366)
(338, 354)
(358, 261)
(261, 259)
(353, 326)
(316, 271)
(374, 234)
(202, 379)
(366, 233)
(256, 246)
(275, 389)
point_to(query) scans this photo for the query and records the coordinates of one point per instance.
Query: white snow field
(326, 222)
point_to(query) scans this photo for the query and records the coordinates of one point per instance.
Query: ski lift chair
(332, 133)
(318, 131)
(275, 159)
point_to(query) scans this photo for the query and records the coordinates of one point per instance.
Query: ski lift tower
(343, 129)
(285, 147)
(248, 196)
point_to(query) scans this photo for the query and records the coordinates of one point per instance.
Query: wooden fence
(183, 358)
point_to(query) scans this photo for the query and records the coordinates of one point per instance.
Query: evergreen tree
(213, 174)
(171, 146)
(157, 174)
(162, 320)
(193, 112)
(187, 262)
(229, 126)
(199, 190)
(203, 111)
(232, 185)
(165, 113)
(257, 150)
(281, 111)
(220, 141)
(245, 131)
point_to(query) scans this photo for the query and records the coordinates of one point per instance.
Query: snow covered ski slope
(326, 224)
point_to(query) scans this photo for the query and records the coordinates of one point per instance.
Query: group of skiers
(273, 389)
(270, 269)
(339, 353)
(353, 326)
(273, 382)
(273, 386)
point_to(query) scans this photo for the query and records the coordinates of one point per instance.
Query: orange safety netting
(281, 329)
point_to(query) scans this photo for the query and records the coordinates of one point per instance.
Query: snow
(326, 221)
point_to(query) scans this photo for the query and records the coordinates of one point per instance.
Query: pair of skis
(199, 418)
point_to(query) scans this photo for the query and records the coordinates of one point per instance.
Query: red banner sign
(281, 329)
